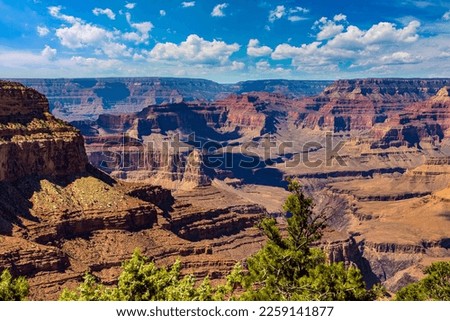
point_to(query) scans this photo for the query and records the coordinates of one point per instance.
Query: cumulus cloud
(107, 12)
(376, 46)
(278, 13)
(286, 51)
(114, 50)
(255, 50)
(218, 10)
(49, 52)
(340, 17)
(42, 31)
(130, 5)
(142, 33)
(195, 50)
(188, 4)
(237, 65)
(329, 28)
(82, 35)
(381, 33)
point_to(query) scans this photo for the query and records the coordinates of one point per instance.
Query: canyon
(197, 164)
(60, 217)
(80, 99)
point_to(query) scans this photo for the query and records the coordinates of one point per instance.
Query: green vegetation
(435, 286)
(290, 268)
(143, 281)
(286, 268)
(12, 289)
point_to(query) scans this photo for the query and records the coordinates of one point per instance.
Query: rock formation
(81, 99)
(362, 103)
(32, 140)
(61, 217)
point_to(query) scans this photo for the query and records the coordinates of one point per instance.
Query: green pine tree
(435, 286)
(291, 268)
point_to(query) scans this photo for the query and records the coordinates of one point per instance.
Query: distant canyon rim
(197, 164)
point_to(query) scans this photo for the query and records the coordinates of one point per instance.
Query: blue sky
(225, 40)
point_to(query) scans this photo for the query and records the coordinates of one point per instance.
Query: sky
(225, 40)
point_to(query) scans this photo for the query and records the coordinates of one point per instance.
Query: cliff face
(362, 103)
(143, 145)
(32, 141)
(426, 121)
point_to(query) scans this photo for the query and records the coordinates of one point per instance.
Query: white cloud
(296, 18)
(188, 4)
(42, 31)
(328, 28)
(107, 12)
(278, 13)
(218, 10)
(286, 51)
(94, 62)
(130, 5)
(255, 50)
(446, 15)
(195, 50)
(400, 57)
(263, 65)
(361, 48)
(298, 10)
(114, 50)
(423, 4)
(49, 52)
(292, 14)
(142, 33)
(295, 14)
(237, 65)
(55, 11)
(162, 13)
(340, 17)
(81, 35)
(379, 34)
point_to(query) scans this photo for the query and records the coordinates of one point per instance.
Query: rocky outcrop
(360, 104)
(425, 122)
(32, 141)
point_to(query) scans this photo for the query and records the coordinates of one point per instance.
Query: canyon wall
(60, 217)
(80, 99)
